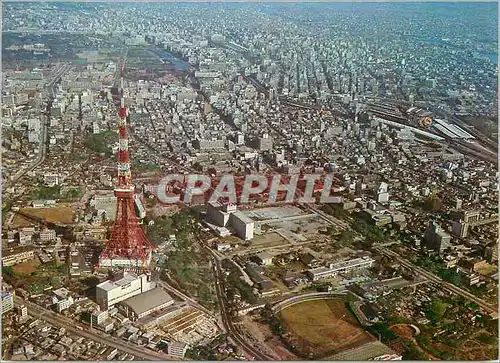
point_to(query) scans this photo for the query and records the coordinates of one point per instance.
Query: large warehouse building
(144, 304)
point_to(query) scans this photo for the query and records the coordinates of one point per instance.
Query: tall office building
(22, 312)
(382, 193)
(460, 228)
(435, 238)
(265, 143)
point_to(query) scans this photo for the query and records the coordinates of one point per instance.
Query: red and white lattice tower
(128, 246)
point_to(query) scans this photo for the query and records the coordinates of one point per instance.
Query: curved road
(306, 297)
(184, 297)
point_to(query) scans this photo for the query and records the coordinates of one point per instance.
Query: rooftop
(351, 263)
(15, 250)
(242, 217)
(264, 255)
(319, 270)
(61, 293)
(148, 300)
(109, 285)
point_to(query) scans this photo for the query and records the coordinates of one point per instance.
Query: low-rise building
(177, 349)
(97, 317)
(334, 269)
(62, 299)
(13, 256)
(221, 247)
(310, 261)
(51, 179)
(25, 238)
(472, 279)
(38, 204)
(47, 235)
(292, 279)
(265, 258)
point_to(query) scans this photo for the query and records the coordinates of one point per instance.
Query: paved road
(448, 286)
(57, 76)
(120, 66)
(71, 325)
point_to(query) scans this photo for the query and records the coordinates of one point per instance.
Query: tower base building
(126, 262)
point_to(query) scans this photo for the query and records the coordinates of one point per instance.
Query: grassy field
(61, 214)
(27, 267)
(322, 327)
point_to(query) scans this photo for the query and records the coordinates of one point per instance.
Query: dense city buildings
(259, 181)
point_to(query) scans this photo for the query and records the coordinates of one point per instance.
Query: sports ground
(320, 328)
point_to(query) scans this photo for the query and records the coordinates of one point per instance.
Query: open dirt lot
(323, 327)
(271, 239)
(403, 330)
(27, 267)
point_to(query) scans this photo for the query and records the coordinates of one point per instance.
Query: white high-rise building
(7, 301)
(22, 311)
(382, 193)
(108, 293)
(227, 216)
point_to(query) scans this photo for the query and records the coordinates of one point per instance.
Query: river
(174, 61)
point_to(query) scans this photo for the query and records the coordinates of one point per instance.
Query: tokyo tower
(128, 246)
